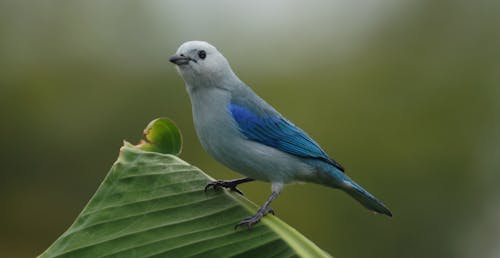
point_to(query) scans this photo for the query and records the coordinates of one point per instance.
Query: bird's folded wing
(277, 132)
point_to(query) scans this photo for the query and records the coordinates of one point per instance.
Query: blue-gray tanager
(240, 130)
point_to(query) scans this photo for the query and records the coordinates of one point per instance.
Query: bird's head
(201, 64)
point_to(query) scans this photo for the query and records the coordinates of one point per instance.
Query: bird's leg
(229, 184)
(265, 209)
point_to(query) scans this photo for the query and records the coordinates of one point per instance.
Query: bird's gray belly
(250, 158)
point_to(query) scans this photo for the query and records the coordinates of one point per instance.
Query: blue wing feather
(277, 132)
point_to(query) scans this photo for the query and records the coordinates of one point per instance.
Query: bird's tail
(364, 197)
(331, 176)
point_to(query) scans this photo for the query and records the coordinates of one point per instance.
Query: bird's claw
(251, 221)
(216, 185)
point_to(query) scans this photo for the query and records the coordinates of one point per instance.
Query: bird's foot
(251, 221)
(217, 185)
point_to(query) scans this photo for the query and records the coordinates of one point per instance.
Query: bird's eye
(202, 54)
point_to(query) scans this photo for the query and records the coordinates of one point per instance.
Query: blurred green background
(404, 94)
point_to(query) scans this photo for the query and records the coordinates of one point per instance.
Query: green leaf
(154, 204)
(161, 135)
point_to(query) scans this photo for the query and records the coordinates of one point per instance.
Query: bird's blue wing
(279, 133)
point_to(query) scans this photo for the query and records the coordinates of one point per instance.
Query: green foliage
(153, 204)
(161, 135)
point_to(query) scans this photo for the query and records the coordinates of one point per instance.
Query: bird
(246, 134)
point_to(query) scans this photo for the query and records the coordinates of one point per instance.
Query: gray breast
(214, 126)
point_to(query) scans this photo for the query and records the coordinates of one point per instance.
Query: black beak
(179, 59)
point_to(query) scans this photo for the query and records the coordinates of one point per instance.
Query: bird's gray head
(202, 65)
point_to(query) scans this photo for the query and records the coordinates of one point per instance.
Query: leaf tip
(161, 135)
